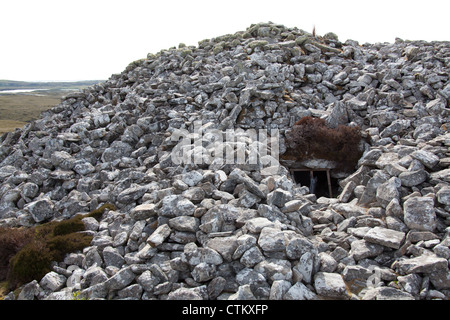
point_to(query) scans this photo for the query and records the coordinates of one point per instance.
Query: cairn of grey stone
(209, 229)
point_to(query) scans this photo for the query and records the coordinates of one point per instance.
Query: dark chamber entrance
(319, 181)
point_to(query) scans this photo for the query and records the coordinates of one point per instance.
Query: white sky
(92, 39)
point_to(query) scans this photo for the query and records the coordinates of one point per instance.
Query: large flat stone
(385, 237)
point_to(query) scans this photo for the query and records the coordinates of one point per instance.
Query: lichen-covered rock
(419, 213)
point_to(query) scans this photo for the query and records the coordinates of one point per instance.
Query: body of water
(19, 91)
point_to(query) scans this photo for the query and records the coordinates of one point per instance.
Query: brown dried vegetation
(311, 138)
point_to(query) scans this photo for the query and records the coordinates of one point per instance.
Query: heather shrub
(68, 226)
(60, 245)
(26, 254)
(11, 241)
(31, 262)
(312, 138)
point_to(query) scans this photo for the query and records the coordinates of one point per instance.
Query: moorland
(17, 107)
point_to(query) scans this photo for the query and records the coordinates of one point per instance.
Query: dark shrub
(59, 246)
(26, 254)
(11, 241)
(311, 138)
(30, 263)
(68, 226)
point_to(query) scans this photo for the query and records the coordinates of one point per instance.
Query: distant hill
(16, 85)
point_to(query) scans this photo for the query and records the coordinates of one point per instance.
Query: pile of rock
(214, 230)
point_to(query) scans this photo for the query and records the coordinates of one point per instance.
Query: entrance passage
(318, 181)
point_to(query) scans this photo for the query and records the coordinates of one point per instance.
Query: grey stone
(419, 213)
(203, 272)
(244, 293)
(29, 190)
(195, 194)
(426, 263)
(63, 160)
(394, 208)
(90, 223)
(93, 275)
(330, 285)
(112, 257)
(278, 289)
(53, 281)
(240, 176)
(300, 292)
(272, 239)
(361, 249)
(388, 191)
(369, 194)
(251, 257)
(143, 211)
(176, 205)
(413, 178)
(251, 276)
(97, 291)
(349, 210)
(441, 279)
(356, 272)
(131, 194)
(159, 235)
(305, 266)
(192, 178)
(117, 150)
(410, 283)
(386, 293)
(297, 246)
(133, 291)
(272, 213)
(225, 246)
(185, 294)
(347, 192)
(121, 279)
(279, 197)
(327, 262)
(397, 127)
(248, 199)
(385, 237)
(427, 158)
(443, 175)
(275, 269)
(184, 223)
(255, 225)
(40, 210)
(147, 280)
(292, 206)
(443, 196)
(83, 168)
(219, 218)
(215, 287)
(194, 255)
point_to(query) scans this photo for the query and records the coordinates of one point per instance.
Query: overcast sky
(92, 39)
